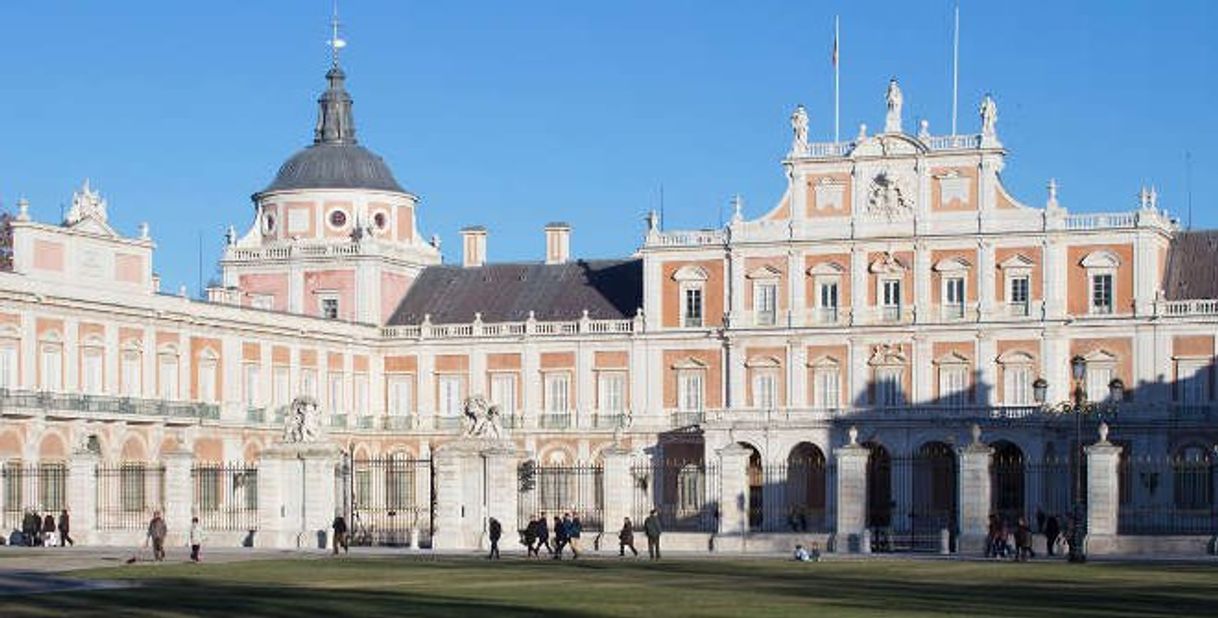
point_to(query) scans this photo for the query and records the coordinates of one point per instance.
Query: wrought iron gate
(388, 500)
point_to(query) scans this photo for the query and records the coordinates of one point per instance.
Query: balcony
(19, 401)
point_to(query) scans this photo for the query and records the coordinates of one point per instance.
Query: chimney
(473, 246)
(558, 242)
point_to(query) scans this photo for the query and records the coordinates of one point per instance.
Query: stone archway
(805, 490)
(935, 492)
(756, 477)
(1008, 480)
(879, 486)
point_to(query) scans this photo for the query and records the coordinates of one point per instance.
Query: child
(196, 538)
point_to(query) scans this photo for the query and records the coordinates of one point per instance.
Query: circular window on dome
(380, 220)
(338, 218)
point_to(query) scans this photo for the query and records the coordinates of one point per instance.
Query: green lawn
(449, 586)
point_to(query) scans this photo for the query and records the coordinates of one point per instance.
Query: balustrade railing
(45, 401)
(510, 329)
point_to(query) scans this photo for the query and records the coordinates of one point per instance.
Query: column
(851, 497)
(179, 495)
(82, 497)
(986, 291)
(501, 485)
(733, 498)
(616, 489)
(1103, 494)
(974, 494)
(923, 310)
(450, 513)
(296, 495)
(271, 514)
(858, 285)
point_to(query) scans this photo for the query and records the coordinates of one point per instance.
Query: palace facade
(896, 297)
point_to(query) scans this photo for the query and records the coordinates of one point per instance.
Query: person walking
(157, 531)
(576, 528)
(625, 538)
(29, 528)
(651, 527)
(1023, 540)
(65, 528)
(49, 533)
(339, 525)
(1052, 532)
(529, 538)
(543, 534)
(196, 538)
(494, 532)
(560, 537)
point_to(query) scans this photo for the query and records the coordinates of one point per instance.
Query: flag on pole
(835, 46)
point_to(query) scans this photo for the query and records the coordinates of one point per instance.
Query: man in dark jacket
(29, 528)
(651, 527)
(543, 534)
(1052, 531)
(157, 531)
(625, 538)
(340, 534)
(494, 530)
(575, 529)
(560, 537)
(65, 527)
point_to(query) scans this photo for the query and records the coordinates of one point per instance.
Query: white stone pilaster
(986, 389)
(858, 284)
(797, 374)
(923, 309)
(1103, 494)
(616, 487)
(987, 293)
(851, 498)
(923, 370)
(975, 493)
(72, 356)
(796, 284)
(1055, 270)
(179, 495)
(501, 462)
(733, 498)
(82, 496)
(736, 374)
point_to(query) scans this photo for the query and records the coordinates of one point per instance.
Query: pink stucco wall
(341, 282)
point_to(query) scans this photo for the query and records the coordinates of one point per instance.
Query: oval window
(380, 220)
(338, 218)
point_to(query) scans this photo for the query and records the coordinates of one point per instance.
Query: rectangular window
(52, 368)
(207, 381)
(91, 380)
(889, 386)
(1019, 297)
(262, 301)
(253, 385)
(826, 383)
(765, 390)
(953, 385)
(691, 308)
(450, 388)
(953, 297)
(1101, 293)
(1098, 377)
(689, 391)
(334, 394)
(130, 374)
(1017, 385)
(891, 299)
(167, 376)
(360, 383)
(1193, 382)
(611, 391)
(828, 299)
(280, 387)
(765, 303)
(329, 307)
(8, 366)
(308, 382)
(503, 392)
(401, 395)
(557, 392)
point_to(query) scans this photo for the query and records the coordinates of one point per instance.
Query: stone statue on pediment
(895, 100)
(799, 126)
(302, 424)
(481, 419)
(989, 116)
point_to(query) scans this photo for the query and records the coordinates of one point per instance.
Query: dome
(334, 166)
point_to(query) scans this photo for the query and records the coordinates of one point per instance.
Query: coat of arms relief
(890, 196)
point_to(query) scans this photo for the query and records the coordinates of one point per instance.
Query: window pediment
(689, 363)
(763, 361)
(690, 272)
(887, 354)
(825, 362)
(1101, 259)
(764, 272)
(1100, 357)
(1017, 262)
(827, 269)
(953, 358)
(1016, 357)
(887, 263)
(952, 265)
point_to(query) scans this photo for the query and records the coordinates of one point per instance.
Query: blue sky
(512, 114)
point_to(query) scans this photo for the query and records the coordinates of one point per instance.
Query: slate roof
(334, 166)
(1192, 266)
(608, 289)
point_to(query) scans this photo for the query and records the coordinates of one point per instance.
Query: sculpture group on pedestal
(481, 418)
(302, 423)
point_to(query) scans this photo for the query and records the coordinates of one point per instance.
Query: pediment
(1016, 357)
(1017, 262)
(763, 361)
(888, 145)
(691, 272)
(953, 358)
(887, 263)
(951, 265)
(764, 272)
(827, 269)
(689, 362)
(1101, 259)
(92, 225)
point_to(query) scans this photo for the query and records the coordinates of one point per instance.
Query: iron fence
(40, 488)
(390, 499)
(552, 490)
(1035, 489)
(790, 495)
(1168, 496)
(128, 493)
(912, 499)
(225, 495)
(684, 494)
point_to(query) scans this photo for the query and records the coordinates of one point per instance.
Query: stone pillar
(852, 497)
(617, 488)
(449, 464)
(733, 498)
(296, 495)
(1103, 494)
(502, 488)
(179, 495)
(974, 494)
(82, 497)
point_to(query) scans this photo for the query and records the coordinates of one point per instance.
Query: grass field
(450, 586)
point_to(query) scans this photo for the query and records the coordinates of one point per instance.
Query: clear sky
(512, 114)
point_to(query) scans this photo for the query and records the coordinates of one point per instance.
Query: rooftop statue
(989, 116)
(799, 126)
(892, 122)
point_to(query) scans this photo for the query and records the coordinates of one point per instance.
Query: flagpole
(955, 66)
(836, 84)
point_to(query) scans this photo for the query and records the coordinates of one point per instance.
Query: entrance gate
(389, 500)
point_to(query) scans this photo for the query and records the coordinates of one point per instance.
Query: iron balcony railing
(45, 401)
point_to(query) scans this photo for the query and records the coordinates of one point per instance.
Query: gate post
(1103, 494)
(733, 498)
(850, 534)
(974, 494)
(502, 490)
(617, 489)
(82, 497)
(179, 495)
(296, 495)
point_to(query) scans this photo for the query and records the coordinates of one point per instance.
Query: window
(52, 367)
(611, 391)
(953, 297)
(262, 301)
(91, 371)
(130, 373)
(207, 378)
(503, 392)
(338, 219)
(827, 300)
(953, 384)
(689, 391)
(890, 299)
(557, 393)
(1192, 381)
(888, 386)
(765, 389)
(329, 307)
(765, 302)
(450, 387)
(401, 395)
(8, 366)
(253, 385)
(360, 383)
(826, 385)
(1101, 293)
(1018, 296)
(334, 394)
(167, 376)
(1098, 376)
(691, 307)
(308, 382)
(280, 380)
(52, 485)
(1017, 385)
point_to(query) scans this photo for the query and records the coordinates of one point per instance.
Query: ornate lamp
(1116, 390)
(1078, 368)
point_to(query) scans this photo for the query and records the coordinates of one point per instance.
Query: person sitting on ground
(801, 554)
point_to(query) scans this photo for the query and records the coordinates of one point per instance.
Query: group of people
(1004, 540)
(43, 530)
(651, 529)
(567, 531)
(158, 532)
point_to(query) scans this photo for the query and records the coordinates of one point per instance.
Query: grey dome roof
(335, 166)
(335, 160)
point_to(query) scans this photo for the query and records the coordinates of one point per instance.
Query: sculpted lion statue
(481, 419)
(302, 422)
